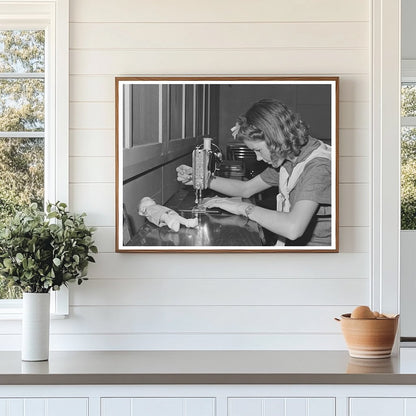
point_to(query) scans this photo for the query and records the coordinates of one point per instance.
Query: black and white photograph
(239, 164)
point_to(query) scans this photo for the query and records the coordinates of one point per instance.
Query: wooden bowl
(369, 338)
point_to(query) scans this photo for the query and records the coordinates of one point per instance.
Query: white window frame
(53, 17)
(408, 75)
(385, 116)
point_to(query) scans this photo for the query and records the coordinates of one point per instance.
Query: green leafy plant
(42, 251)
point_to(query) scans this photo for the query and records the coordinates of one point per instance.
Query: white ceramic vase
(35, 326)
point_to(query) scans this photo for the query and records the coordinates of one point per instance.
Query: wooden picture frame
(160, 121)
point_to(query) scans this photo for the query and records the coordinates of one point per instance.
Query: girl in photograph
(300, 166)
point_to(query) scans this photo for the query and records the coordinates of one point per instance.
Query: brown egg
(362, 312)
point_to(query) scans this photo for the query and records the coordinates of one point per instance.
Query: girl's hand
(184, 174)
(228, 204)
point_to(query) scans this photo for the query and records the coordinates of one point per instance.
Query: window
(176, 113)
(33, 111)
(145, 125)
(161, 122)
(408, 151)
(22, 124)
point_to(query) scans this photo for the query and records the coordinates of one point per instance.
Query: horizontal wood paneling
(354, 142)
(91, 169)
(200, 319)
(96, 199)
(354, 170)
(354, 239)
(195, 320)
(184, 341)
(354, 115)
(100, 88)
(96, 88)
(221, 35)
(92, 115)
(230, 266)
(354, 205)
(354, 87)
(95, 143)
(104, 238)
(217, 291)
(219, 11)
(301, 61)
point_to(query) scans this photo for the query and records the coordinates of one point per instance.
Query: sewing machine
(205, 162)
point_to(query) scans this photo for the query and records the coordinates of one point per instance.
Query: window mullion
(408, 121)
(22, 75)
(22, 134)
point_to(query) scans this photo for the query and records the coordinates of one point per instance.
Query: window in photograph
(144, 114)
(189, 110)
(176, 112)
(199, 110)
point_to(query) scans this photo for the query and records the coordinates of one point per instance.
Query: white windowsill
(17, 316)
(11, 309)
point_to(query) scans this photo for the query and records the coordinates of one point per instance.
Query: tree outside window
(22, 124)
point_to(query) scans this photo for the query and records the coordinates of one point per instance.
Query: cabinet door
(154, 406)
(281, 406)
(378, 406)
(44, 407)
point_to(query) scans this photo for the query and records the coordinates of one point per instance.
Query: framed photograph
(227, 164)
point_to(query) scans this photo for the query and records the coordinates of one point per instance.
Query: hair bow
(235, 130)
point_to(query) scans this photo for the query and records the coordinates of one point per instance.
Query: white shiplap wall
(214, 301)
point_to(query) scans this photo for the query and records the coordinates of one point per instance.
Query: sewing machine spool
(204, 163)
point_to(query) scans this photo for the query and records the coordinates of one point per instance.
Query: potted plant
(40, 252)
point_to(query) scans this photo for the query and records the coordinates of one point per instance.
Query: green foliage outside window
(408, 179)
(408, 159)
(21, 110)
(408, 104)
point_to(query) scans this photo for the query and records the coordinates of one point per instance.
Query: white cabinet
(391, 406)
(157, 406)
(281, 406)
(208, 400)
(44, 407)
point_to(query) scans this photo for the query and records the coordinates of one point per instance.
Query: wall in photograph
(213, 301)
(311, 102)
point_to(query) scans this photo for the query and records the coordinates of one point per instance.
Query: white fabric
(287, 183)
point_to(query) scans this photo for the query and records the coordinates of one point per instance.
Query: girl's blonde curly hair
(273, 122)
